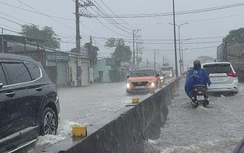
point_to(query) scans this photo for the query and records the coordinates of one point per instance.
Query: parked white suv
(223, 77)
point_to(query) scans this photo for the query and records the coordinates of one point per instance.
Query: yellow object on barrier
(152, 91)
(135, 100)
(79, 131)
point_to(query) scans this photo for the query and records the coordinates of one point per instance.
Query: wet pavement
(215, 129)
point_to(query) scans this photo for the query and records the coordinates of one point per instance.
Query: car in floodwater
(161, 76)
(223, 78)
(168, 71)
(142, 80)
(29, 103)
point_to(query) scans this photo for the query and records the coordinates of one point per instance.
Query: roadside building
(63, 68)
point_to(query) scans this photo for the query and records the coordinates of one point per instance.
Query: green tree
(92, 52)
(46, 33)
(122, 53)
(235, 36)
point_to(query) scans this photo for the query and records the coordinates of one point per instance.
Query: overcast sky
(202, 34)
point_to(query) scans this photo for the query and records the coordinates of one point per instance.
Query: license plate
(140, 87)
(200, 98)
(216, 78)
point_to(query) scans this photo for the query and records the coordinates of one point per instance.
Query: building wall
(101, 67)
(72, 72)
(84, 73)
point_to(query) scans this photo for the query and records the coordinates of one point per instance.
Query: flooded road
(215, 129)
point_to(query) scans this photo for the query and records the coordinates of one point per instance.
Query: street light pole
(180, 58)
(176, 67)
(182, 53)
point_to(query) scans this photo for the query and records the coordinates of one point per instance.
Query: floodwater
(215, 129)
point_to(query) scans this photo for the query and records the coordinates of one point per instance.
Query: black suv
(29, 104)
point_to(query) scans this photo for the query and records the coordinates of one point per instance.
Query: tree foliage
(92, 52)
(112, 42)
(46, 33)
(235, 36)
(122, 53)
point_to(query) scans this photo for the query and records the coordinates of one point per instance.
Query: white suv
(223, 77)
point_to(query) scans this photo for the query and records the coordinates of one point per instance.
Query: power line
(189, 43)
(199, 48)
(176, 13)
(115, 23)
(108, 27)
(10, 27)
(117, 15)
(60, 34)
(14, 18)
(34, 11)
(170, 40)
(46, 15)
(10, 20)
(39, 13)
(9, 30)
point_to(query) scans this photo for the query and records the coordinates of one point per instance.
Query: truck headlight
(128, 85)
(152, 85)
(170, 74)
(161, 77)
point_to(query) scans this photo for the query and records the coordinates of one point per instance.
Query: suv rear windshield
(142, 73)
(218, 68)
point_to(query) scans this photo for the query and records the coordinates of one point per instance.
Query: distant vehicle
(223, 77)
(233, 53)
(168, 71)
(29, 104)
(161, 76)
(142, 80)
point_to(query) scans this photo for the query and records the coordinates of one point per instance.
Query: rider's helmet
(197, 63)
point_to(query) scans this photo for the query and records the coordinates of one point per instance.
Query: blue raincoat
(194, 77)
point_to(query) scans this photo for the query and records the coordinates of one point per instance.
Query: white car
(168, 71)
(223, 78)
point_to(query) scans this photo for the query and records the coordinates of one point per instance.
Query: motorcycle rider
(196, 76)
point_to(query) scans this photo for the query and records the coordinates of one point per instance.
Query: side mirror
(157, 75)
(1, 85)
(128, 76)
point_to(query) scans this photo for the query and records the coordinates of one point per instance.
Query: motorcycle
(199, 96)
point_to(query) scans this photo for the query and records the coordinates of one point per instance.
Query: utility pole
(133, 48)
(2, 42)
(77, 19)
(135, 37)
(147, 63)
(138, 48)
(90, 50)
(78, 37)
(154, 58)
(137, 55)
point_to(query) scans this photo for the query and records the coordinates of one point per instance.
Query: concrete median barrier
(125, 130)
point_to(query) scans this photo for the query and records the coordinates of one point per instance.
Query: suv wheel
(49, 122)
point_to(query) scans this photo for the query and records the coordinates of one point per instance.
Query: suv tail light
(233, 74)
